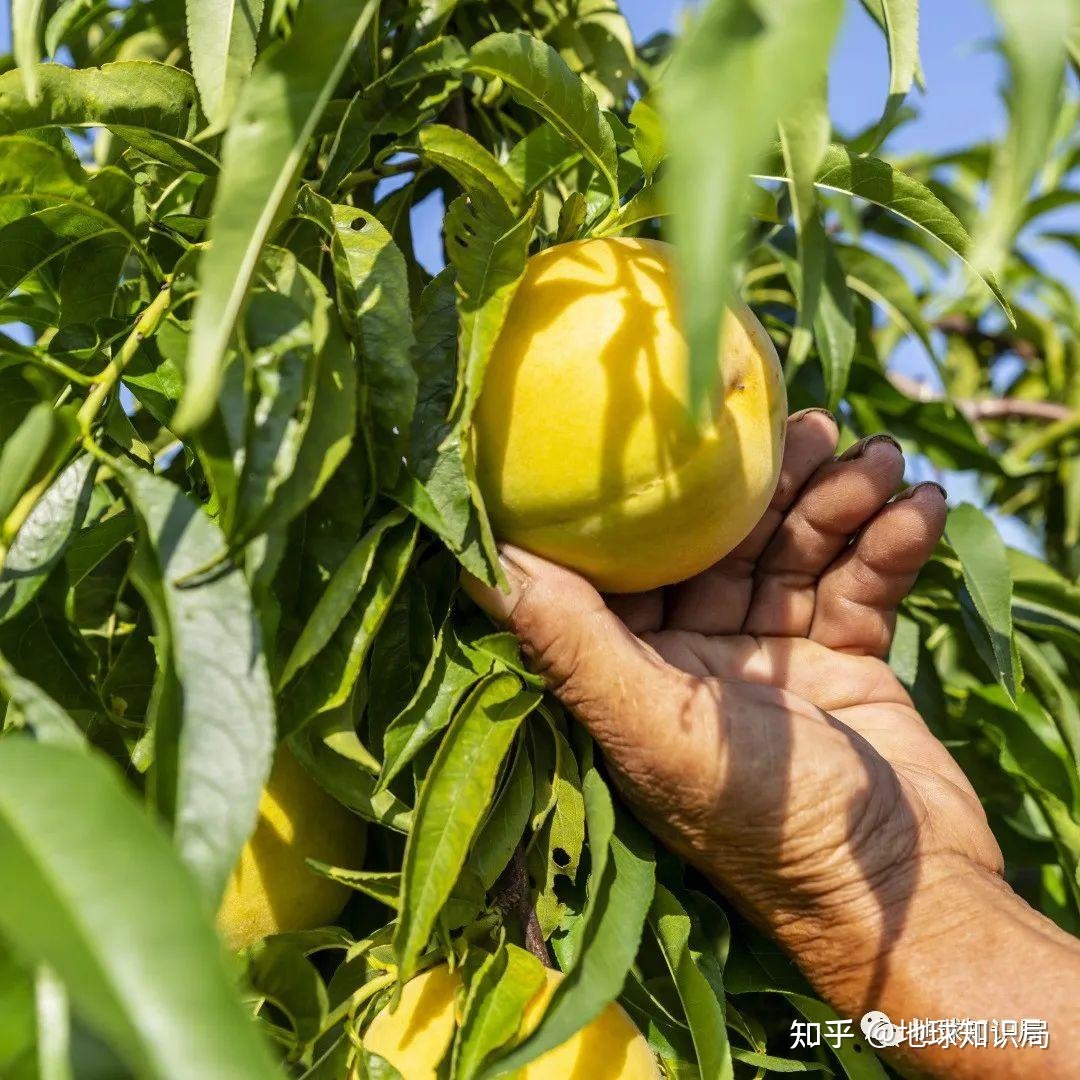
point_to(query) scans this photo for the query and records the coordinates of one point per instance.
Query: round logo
(880, 1031)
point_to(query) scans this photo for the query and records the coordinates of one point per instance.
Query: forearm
(956, 943)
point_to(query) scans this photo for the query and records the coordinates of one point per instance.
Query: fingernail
(856, 450)
(794, 418)
(909, 492)
(490, 598)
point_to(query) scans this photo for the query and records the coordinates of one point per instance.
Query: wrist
(949, 939)
(858, 945)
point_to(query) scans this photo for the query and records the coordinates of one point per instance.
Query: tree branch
(513, 899)
(962, 326)
(976, 409)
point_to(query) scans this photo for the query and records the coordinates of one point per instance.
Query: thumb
(632, 702)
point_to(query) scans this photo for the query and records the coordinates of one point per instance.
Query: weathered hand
(748, 714)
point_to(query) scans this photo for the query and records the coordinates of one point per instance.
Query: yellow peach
(271, 888)
(415, 1037)
(586, 448)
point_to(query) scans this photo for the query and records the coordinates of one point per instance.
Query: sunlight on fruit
(272, 889)
(415, 1037)
(585, 448)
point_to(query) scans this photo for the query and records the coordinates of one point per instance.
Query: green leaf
(275, 116)
(456, 793)
(881, 283)
(721, 99)
(543, 154)
(301, 429)
(649, 137)
(453, 668)
(34, 173)
(323, 667)
(43, 716)
(373, 295)
(338, 598)
(620, 892)
(30, 452)
(384, 886)
(834, 329)
(215, 761)
(1033, 40)
(31, 243)
(488, 247)
(804, 138)
(878, 182)
(494, 1006)
(505, 825)
(221, 44)
(471, 164)
(278, 971)
(396, 103)
(899, 19)
(27, 17)
(985, 565)
(442, 490)
(152, 106)
(704, 1011)
(329, 749)
(539, 78)
(1054, 694)
(71, 842)
(834, 320)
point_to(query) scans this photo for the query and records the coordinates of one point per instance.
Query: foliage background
(164, 622)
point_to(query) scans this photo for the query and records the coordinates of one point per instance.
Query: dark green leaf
(621, 890)
(704, 1011)
(323, 667)
(47, 720)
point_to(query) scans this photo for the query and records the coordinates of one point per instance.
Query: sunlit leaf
(275, 115)
(456, 792)
(541, 80)
(986, 574)
(72, 841)
(215, 725)
(221, 39)
(721, 100)
(151, 106)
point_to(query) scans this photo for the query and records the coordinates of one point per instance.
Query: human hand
(750, 719)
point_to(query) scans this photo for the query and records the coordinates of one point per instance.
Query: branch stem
(104, 384)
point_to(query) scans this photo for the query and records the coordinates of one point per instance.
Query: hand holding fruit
(751, 721)
(748, 713)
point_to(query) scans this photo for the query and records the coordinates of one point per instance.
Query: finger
(837, 501)
(858, 595)
(716, 601)
(632, 702)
